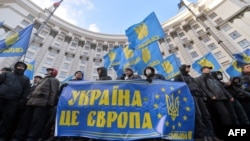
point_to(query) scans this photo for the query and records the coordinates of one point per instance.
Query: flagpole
(40, 29)
(220, 42)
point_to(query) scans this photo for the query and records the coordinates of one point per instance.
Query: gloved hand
(64, 84)
(149, 80)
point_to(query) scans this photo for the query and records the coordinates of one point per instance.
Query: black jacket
(212, 87)
(236, 90)
(104, 74)
(245, 80)
(13, 86)
(153, 75)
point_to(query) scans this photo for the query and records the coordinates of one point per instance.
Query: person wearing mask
(42, 99)
(14, 88)
(129, 75)
(218, 99)
(203, 125)
(103, 74)
(149, 73)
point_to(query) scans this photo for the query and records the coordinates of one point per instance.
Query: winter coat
(45, 93)
(153, 76)
(104, 74)
(212, 87)
(245, 80)
(13, 86)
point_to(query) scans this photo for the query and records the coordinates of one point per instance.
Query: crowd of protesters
(28, 110)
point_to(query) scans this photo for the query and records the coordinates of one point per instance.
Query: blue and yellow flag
(29, 72)
(66, 80)
(145, 32)
(234, 69)
(113, 58)
(149, 56)
(129, 58)
(207, 60)
(243, 57)
(170, 67)
(126, 110)
(17, 44)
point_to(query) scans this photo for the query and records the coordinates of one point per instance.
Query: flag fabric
(149, 56)
(56, 4)
(183, 3)
(243, 57)
(66, 80)
(143, 33)
(112, 58)
(17, 44)
(234, 69)
(29, 72)
(170, 67)
(207, 60)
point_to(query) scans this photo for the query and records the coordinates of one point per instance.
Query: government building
(217, 26)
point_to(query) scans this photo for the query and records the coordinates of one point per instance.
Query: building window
(66, 66)
(82, 68)
(30, 17)
(97, 64)
(49, 61)
(185, 40)
(86, 47)
(39, 39)
(194, 54)
(25, 23)
(43, 70)
(244, 43)
(83, 61)
(68, 57)
(98, 55)
(53, 52)
(189, 47)
(213, 15)
(219, 55)
(95, 78)
(181, 34)
(85, 53)
(219, 21)
(34, 46)
(168, 40)
(99, 50)
(44, 33)
(18, 28)
(73, 44)
(205, 39)
(234, 35)
(196, 26)
(59, 39)
(63, 74)
(29, 55)
(95, 71)
(200, 32)
(212, 46)
(226, 27)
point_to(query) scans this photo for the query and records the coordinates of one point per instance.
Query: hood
(103, 73)
(183, 69)
(151, 68)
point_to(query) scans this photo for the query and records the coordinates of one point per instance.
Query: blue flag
(243, 57)
(29, 72)
(145, 32)
(17, 44)
(113, 58)
(66, 80)
(126, 110)
(129, 58)
(207, 60)
(150, 56)
(170, 67)
(234, 69)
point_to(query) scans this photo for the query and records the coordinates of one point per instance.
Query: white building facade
(217, 26)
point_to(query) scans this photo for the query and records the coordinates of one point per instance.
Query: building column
(77, 57)
(185, 54)
(90, 64)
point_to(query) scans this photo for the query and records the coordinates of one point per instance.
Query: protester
(103, 74)
(150, 74)
(14, 88)
(5, 69)
(203, 126)
(245, 85)
(42, 99)
(129, 75)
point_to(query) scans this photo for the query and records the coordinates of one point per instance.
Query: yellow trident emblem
(146, 56)
(112, 56)
(168, 67)
(246, 58)
(236, 67)
(142, 31)
(128, 53)
(173, 105)
(205, 62)
(11, 40)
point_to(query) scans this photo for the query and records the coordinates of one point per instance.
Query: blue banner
(145, 32)
(207, 60)
(29, 72)
(17, 44)
(126, 110)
